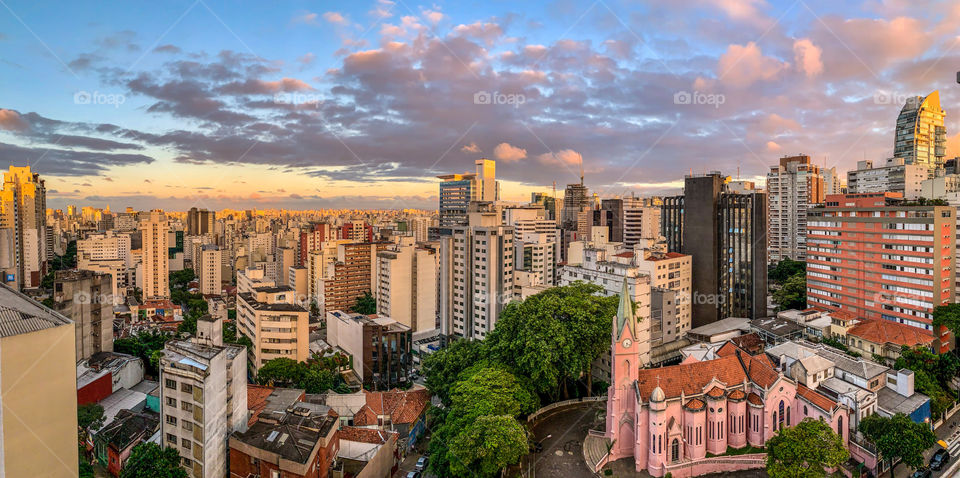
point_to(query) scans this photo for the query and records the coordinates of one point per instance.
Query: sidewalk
(948, 428)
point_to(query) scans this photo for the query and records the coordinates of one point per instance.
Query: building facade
(23, 213)
(793, 186)
(921, 137)
(84, 298)
(407, 284)
(155, 279)
(277, 325)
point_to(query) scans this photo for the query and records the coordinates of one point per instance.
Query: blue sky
(361, 104)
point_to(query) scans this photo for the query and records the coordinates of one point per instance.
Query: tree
(553, 337)
(148, 460)
(443, 367)
(898, 438)
(280, 372)
(366, 304)
(487, 445)
(947, 315)
(143, 345)
(90, 416)
(793, 293)
(805, 450)
(492, 391)
(786, 269)
(932, 375)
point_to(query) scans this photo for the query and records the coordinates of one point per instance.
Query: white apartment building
(476, 275)
(251, 278)
(793, 187)
(672, 271)
(893, 176)
(203, 398)
(210, 269)
(641, 223)
(108, 253)
(156, 266)
(406, 284)
(535, 253)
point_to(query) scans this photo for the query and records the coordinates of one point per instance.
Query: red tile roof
(737, 395)
(715, 392)
(365, 417)
(402, 406)
(754, 399)
(816, 398)
(695, 404)
(661, 257)
(257, 401)
(624, 254)
(881, 331)
(364, 435)
(690, 378)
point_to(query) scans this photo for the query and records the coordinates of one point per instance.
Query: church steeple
(625, 313)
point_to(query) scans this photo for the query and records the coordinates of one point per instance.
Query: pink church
(669, 418)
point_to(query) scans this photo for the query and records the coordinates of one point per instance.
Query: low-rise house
(114, 442)
(368, 453)
(404, 412)
(816, 324)
(774, 330)
(884, 339)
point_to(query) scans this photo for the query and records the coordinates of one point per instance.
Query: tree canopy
(793, 293)
(947, 315)
(805, 450)
(443, 367)
(148, 460)
(898, 438)
(143, 345)
(366, 304)
(786, 269)
(90, 416)
(317, 375)
(487, 445)
(932, 375)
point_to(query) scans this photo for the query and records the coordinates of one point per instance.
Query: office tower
(921, 137)
(549, 204)
(457, 191)
(379, 346)
(641, 222)
(576, 198)
(203, 398)
(877, 259)
(38, 393)
(407, 284)
(476, 274)
(895, 175)
(200, 222)
(85, 298)
(832, 184)
(23, 210)
(725, 233)
(156, 268)
(793, 187)
(210, 269)
(610, 216)
(277, 325)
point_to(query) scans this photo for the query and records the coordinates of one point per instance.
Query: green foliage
(67, 261)
(86, 469)
(786, 269)
(492, 391)
(793, 293)
(898, 438)
(839, 346)
(932, 375)
(554, 336)
(315, 376)
(232, 314)
(487, 445)
(366, 304)
(443, 367)
(143, 345)
(90, 416)
(805, 450)
(48, 303)
(47, 281)
(148, 460)
(230, 336)
(948, 316)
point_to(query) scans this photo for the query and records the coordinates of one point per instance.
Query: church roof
(625, 313)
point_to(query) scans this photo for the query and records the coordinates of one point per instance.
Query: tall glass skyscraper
(921, 137)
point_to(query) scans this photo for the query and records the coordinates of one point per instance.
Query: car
(939, 459)
(422, 463)
(413, 474)
(922, 473)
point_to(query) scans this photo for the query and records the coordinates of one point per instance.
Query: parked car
(422, 463)
(413, 474)
(922, 473)
(939, 459)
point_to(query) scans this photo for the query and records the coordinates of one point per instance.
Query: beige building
(23, 210)
(210, 269)
(156, 267)
(673, 271)
(38, 390)
(203, 398)
(407, 284)
(85, 298)
(108, 253)
(277, 325)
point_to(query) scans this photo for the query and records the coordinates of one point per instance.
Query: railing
(533, 416)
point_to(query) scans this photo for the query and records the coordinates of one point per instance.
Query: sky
(361, 104)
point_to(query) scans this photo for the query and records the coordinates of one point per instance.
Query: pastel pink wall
(738, 423)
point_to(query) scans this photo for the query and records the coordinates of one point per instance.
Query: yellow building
(23, 211)
(38, 390)
(277, 325)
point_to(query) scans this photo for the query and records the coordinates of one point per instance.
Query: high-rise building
(85, 298)
(476, 275)
(23, 210)
(407, 284)
(156, 266)
(313, 237)
(275, 323)
(210, 269)
(353, 274)
(576, 198)
(379, 346)
(832, 184)
(871, 256)
(725, 233)
(794, 186)
(895, 175)
(203, 398)
(38, 393)
(921, 137)
(200, 222)
(641, 222)
(457, 191)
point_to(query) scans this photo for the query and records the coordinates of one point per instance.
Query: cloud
(308, 18)
(471, 148)
(335, 18)
(307, 59)
(433, 16)
(383, 9)
(564, 157)
(772, 146)
(508, 152)
(744, 65)
(11, 121)
(807, 57)
(167, 49)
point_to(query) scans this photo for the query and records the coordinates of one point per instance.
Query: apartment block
(203, 398)
(407, 284)
(85, 298)
(23, 211)
(641, 222)
(277, 325)
(879, 257)
(457, 191)
(209, 269)
(793, 186)
(669, 271)
(156, 267)
(893, 175)
(379, 346)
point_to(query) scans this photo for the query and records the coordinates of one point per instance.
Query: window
(171, 438)
(185, 443)
(187, 406)
(788, 416)
(675, 450)
(171, 401)
(171, 384)
(186, 387)
(171, 420)
(780, 422)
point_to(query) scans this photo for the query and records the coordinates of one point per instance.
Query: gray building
(86, 298)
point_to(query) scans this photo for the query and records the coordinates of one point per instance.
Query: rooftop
(892, 402)
(889, 332)
(290, 434)
(20, 314)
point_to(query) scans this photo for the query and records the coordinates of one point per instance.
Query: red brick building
(300, 443)
(879, 257)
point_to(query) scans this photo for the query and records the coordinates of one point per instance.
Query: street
(949, 432)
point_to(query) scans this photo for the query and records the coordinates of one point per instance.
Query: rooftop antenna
(581, 170)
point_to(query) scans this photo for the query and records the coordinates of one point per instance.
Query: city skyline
(302, 106)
